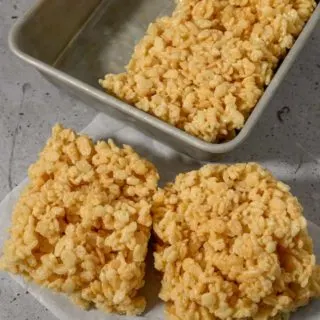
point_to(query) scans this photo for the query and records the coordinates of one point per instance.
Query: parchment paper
(169, 163)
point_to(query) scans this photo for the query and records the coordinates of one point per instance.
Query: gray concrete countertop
(287, 137)
(25, 123)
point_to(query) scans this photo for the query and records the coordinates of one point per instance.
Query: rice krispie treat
(232, 244)
(204, 68)
(83, 224)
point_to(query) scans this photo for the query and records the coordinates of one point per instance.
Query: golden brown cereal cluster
(232, 244)
(204, 68)
(83, 224)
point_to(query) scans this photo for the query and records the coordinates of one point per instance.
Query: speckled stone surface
(287, 139)
(25, 123)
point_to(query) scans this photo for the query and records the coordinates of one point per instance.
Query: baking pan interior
(106, 42)
(85, 39)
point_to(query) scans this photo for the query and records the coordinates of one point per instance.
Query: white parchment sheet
(169, 163)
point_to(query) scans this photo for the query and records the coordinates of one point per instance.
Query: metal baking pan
(73, 43)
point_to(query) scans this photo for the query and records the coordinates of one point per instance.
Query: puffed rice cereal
(204, 68)
(232, 243)
(83, 224)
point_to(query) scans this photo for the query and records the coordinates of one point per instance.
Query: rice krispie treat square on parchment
(83, 223)
(232, 244)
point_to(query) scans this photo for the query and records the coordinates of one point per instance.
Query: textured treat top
(232, 244)
(204, 68)
(82, 225)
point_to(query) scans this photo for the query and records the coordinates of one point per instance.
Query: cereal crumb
(204, 68)
(82, 225)
(232, 244)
